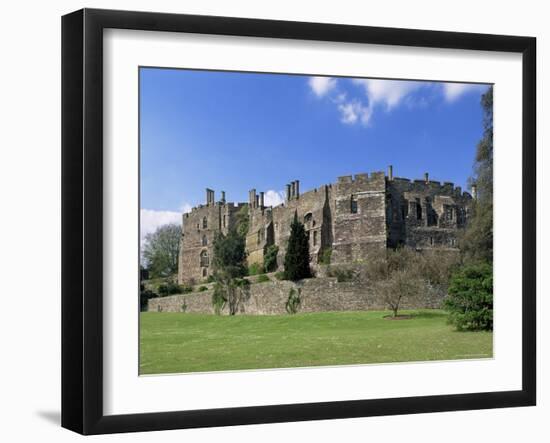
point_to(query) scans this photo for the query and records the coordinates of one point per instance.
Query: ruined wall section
(311, 208)
(359, 218)
(260, 234)
(425, 214)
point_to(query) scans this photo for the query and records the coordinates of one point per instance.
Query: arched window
(204, 240)
(204, 258)
(308, 217)
(204, 223)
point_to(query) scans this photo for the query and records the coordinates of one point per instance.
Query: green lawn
(178, 342)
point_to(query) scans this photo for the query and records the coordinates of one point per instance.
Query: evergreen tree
(297, 252)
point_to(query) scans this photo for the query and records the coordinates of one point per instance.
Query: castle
(355, 218)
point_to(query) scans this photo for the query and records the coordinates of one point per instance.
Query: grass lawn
(179, 342)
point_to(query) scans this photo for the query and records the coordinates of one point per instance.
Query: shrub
(470, 300)
(169, 287)
(270, 258)
(262, 278)
(210, 279)
(202, 289)
(254, 269)
(294, 301)
(185, 289)
(144, 296)
(184, 306)
(342, 274)
(280, 275)
(218, 298)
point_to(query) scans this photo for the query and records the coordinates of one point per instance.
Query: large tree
(229, 268)
(161, 249)
(477, 242)
(297, 252)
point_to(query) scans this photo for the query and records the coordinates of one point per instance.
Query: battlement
(360, 178)
(256, 200)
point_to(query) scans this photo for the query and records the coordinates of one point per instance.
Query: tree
(297, 252)
(470, 301)
(161, 250)
(229, 254)
(477, 241)
(401, 275)
(229, 268)
(401, 285)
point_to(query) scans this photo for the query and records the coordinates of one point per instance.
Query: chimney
(297, 188)
(209, 196)
(252, 198)
(287, 192)
(426, 177)
(390, 173)
(261, 199)
(223, 197)
(474, 192)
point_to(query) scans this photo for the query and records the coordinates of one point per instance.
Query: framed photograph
(269, 221)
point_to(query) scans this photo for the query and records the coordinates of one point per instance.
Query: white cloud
(354, 112)
(387, 92)
(321, 85)
(274, 198)
(186, 207)
(453, 91)
(150, 220)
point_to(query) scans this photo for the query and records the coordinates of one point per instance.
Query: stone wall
(317, 295)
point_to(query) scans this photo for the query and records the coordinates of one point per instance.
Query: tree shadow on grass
(428, 314)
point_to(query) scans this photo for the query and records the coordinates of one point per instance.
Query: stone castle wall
(317, 295)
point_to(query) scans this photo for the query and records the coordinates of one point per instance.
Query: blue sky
(236, 131)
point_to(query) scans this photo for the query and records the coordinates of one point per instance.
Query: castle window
(204, 223)
(308, 217)
(452, 242)
(204, 240)
(448, 212)
(353, 208)
(313, 223)
(314, 238)
(431, 241)
(204, 259)
(418, 209)
(204, 271)
(224, 221)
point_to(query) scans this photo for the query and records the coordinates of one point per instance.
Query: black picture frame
(82, 219)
